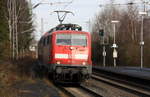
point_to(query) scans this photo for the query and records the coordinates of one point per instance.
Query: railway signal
(101, 32)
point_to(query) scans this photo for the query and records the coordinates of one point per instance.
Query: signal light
(101, 32)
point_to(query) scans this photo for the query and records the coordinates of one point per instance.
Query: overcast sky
(84, 11)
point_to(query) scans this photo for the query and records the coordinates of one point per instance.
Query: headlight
(58, 62)
(83, 63)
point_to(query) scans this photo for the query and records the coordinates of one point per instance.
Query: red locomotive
(66, 52)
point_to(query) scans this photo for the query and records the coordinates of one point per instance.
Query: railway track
(137, 89)
(99, 86)
(79, 91)
(97, 90)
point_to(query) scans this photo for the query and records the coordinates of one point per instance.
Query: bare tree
(103, 21)
(128, 32)
(19, 21)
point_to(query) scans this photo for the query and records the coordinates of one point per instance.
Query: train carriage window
(72, 39)
(44, 41)
(40, 41)
(48, 40)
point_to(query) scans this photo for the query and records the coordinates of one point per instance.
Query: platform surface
(143, 73)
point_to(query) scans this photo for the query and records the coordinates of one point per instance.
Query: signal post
(101, 33)
(115, 53)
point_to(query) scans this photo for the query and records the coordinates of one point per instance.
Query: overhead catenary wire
(64, 12)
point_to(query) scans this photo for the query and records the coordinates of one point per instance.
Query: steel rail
(123, 84)
(79, 91)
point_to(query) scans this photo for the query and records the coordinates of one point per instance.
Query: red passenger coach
(66, 52)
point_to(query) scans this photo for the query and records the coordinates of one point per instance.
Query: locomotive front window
(72, 39)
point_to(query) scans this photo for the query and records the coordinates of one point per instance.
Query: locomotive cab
(72, 55)
(68, 53)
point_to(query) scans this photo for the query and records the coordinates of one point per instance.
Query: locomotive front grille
(84, 70)
(72, 73)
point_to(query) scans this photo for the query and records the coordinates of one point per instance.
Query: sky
(84, 13)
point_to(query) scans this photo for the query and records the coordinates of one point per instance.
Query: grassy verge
(13, 72)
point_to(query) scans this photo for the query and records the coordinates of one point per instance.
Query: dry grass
(7, 78)
(8, 92)
(11, 73)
